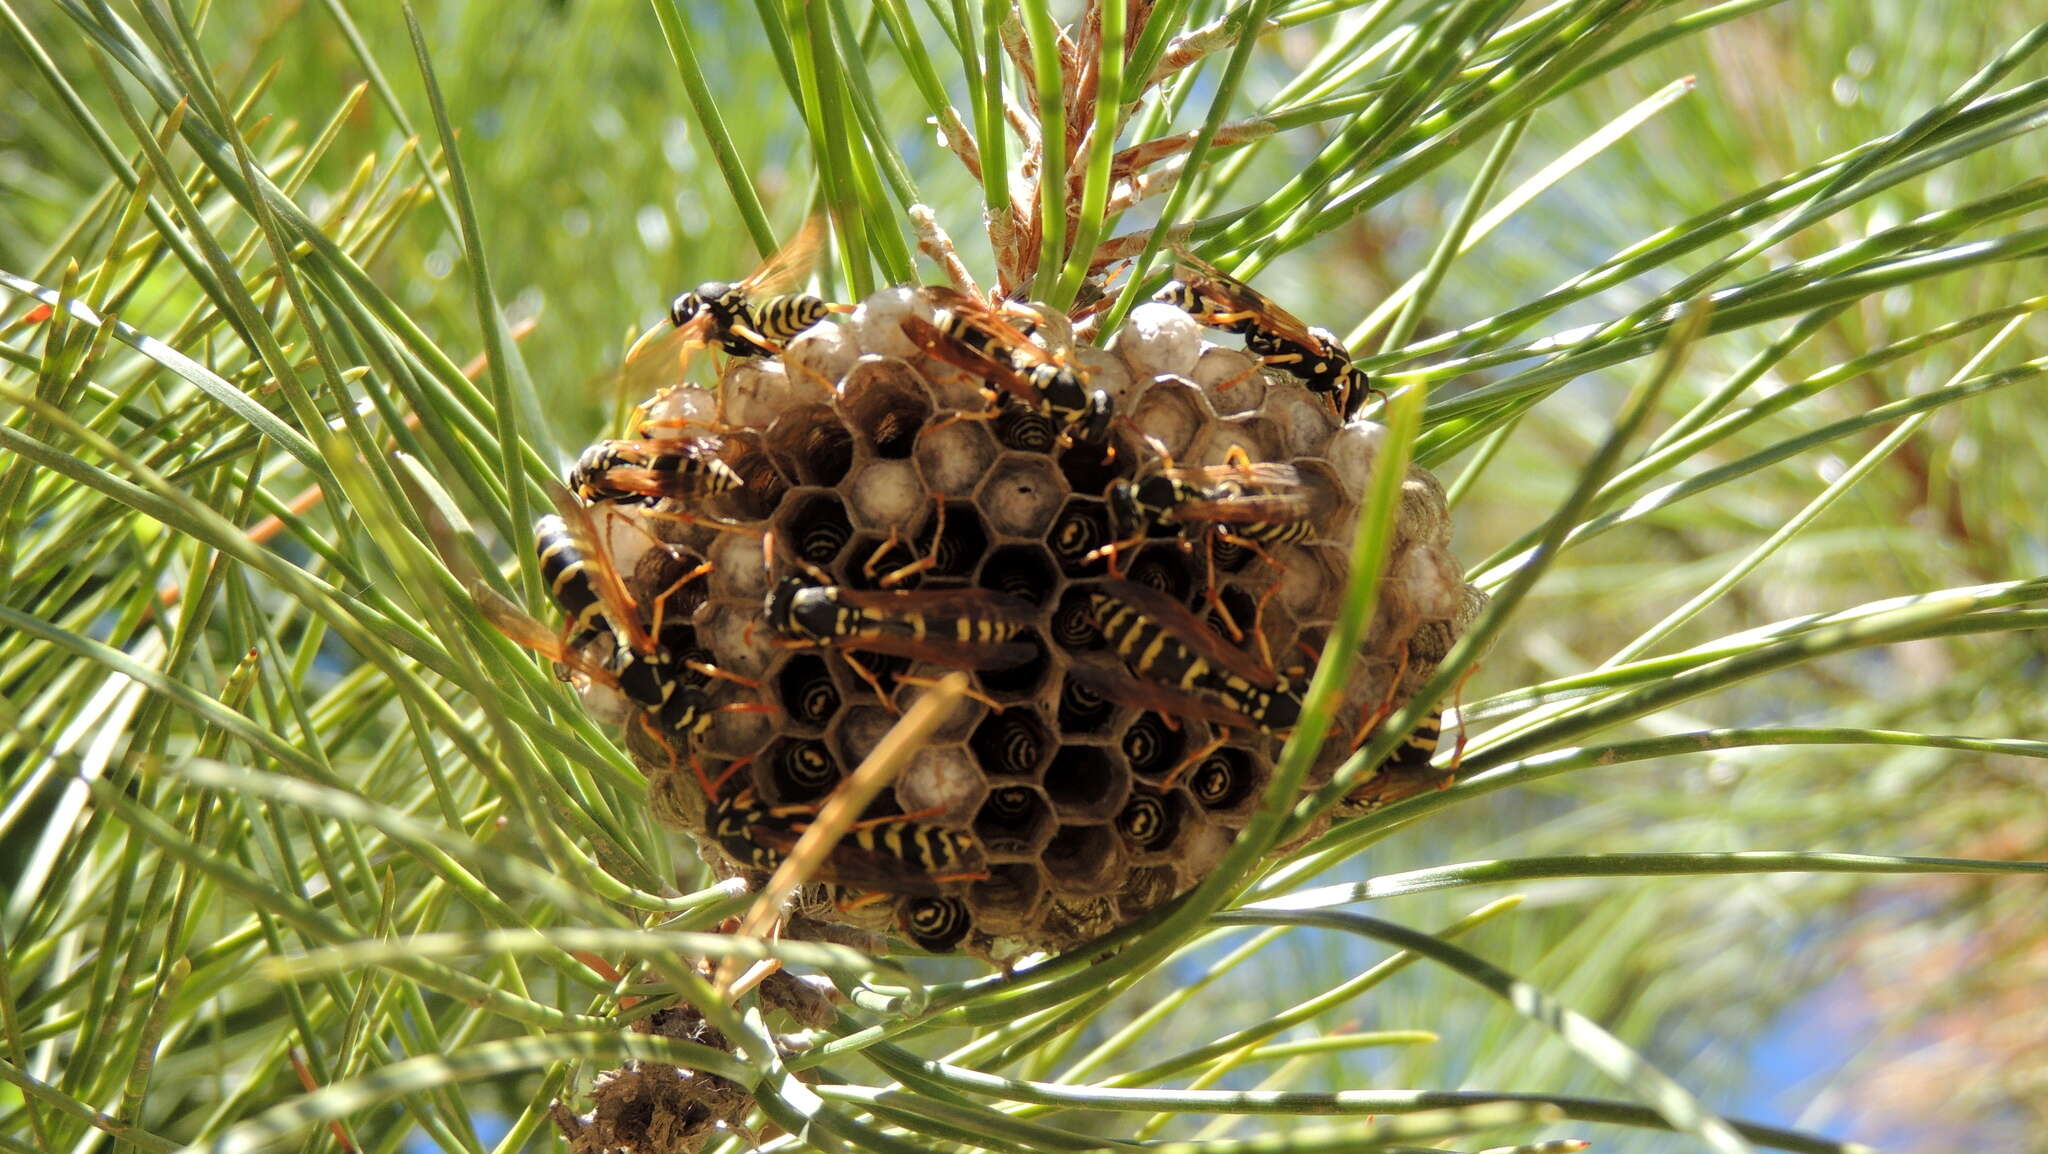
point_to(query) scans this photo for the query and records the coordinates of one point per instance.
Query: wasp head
(1179, 295)
(1141, 508)
(716, 297)
(1095, 418)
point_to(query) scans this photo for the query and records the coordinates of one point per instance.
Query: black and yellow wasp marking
(1168, 646)
(1146, 822)
(894, 854)
(652, 679)
(581, 579)
(1407, 771)
(1315, 355)
(743, 326)
(651, 468)
(569, 581)
(964, 628)
(975, 338)
(1257, 502)
(663, 682)
(936, 924)
(1419, 747)
(751, 317)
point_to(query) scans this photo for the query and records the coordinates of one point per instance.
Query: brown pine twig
(933, 242)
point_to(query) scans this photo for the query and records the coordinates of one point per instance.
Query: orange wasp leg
(661, 598)
(931, 559)
(1194, 759)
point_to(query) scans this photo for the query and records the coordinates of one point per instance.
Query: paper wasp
(898, 853)
(1166, 645)
(651, 468)
(1249, 503)
(1407, 770)
(962, 628)
(583, 582)
(592, 595)
(752, 317)
(652, 680)
(977, 339)
(1315, 355)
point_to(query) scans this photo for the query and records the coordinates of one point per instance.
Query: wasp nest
(653, 1107)
(1072, 794)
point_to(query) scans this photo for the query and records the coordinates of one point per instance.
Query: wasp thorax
(1135, 551)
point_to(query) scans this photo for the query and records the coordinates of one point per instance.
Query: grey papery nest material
(1084, 812)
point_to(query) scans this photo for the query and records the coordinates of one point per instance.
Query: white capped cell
(1158, 339)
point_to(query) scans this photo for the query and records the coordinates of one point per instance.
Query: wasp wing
(619, 607)
(1254, 507)
(661, 357)
(990, 320)
(789, 264)
(1181, 623)
(1241, 297)
(528, 633)
(927, 336)
(1265, 474)
(1119, 686)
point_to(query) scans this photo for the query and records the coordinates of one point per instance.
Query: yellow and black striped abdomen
(781, 317)
(1273, 532)
(930, 848)
(1147, 647)
(1420, 746)
(563, 567)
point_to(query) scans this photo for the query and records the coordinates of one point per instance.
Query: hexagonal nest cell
(882, 524)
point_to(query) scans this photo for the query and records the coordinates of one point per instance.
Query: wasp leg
(1217, 320)
(714, 524)
(1237, 379)
(869, 567)
(768, 563)
(748, 334)
(661, 598)
(1109, 553)
(710, 670)
(931, 558)
(1464, 731)
(888, 700)
(713, 785)
(668, 747)
(1386, 705)
(1259, 623)
(1212, 597)
(989, 414)
(815, 377)
(893, 818)
(1194, 759)
(1235, 457)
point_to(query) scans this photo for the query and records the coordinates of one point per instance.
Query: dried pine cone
(1075, 810)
